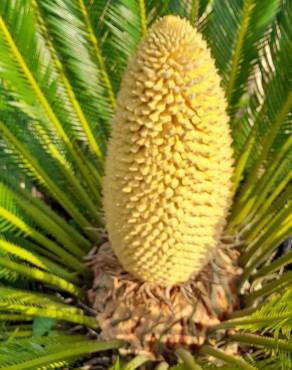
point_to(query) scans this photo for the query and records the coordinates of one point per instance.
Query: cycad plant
(166, 125)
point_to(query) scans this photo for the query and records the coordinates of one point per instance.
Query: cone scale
(167, 185)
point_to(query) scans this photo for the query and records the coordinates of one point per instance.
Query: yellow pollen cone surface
(167, 187)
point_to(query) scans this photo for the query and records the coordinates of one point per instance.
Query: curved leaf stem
(188, 360)
(39, 275)
(266, 342)
(243, 29)
(75, 350)
(222, 355)
(274, 266)
(270, 288)
(98, 55)
(142, 17)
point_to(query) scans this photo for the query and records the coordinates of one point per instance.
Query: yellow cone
(167, 188)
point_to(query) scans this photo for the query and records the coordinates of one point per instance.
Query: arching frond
(234, 32)
(54, 351)
(37, 304)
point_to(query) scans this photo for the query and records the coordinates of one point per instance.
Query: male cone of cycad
(167, 188)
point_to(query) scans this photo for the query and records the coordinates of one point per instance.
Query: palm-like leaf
(49, 352)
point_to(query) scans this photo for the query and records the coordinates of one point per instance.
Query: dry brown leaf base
(150, 317)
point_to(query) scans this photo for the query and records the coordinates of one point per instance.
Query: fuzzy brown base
(150, 317)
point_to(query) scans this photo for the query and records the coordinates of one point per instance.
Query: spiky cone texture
(167, 188)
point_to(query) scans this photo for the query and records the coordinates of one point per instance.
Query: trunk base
(152, 318)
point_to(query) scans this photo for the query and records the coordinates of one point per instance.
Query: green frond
(188, 360)
(258, 361)
(77, 189)
(236, 361)
(271, 94)
(277, 231)
(271, 363)
(193, 10)
(68, 231)
(250, 188)
(274, 316)
(40, 275)
(261, 214)
(37, 304)
(16, 332)
(36, 93)
(6, 317)
(7, 276)
(85, 66)
(234, 32)
(97, 53)
(156, 9)
(83, 128)
(18, 224)
(51, 261)
(275, 286)
(39, 172)
(273, 205)
(142, 16)
(40, 218)
(274, 266)
(281, 348)
(272, 184)
(123, 20)
(136, 362)
(7, 202)
(21, 253)
(54, 351)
